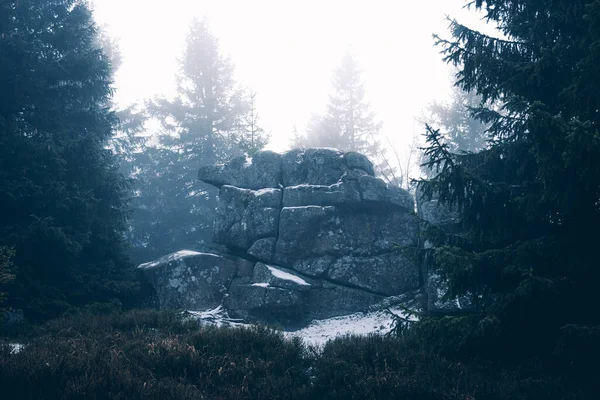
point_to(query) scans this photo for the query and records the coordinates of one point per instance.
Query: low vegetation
(158, 355)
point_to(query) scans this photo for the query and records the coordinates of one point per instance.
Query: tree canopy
(463, 132)
(530, 201)
(348, 123)
(210, 120)
(63, 199)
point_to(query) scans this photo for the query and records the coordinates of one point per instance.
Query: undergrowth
(158, 355)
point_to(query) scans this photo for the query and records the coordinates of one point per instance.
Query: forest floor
(145, 354)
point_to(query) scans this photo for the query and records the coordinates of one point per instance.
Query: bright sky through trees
(287, 52)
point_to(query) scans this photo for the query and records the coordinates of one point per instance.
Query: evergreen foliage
(463, 132)
(210, 120)
(252, 137)
(531, 200)
(348, 123)
(63, 198)
(6, 270)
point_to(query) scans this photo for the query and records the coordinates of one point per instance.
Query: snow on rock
(287, 276)
(172, 257)
(262, 284)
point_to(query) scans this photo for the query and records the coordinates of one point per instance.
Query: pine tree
(463, 132)
(297, 141)
(6, 271)
(204, 124)
(252, 137)
(63, 199)
(531, 200)
(348, 123)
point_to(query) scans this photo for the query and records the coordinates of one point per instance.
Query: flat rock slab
(315, 166)
(341, 193)
(261, 171)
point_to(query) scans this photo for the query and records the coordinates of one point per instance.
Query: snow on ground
(287, 276)
(261, 192)
(318, 332)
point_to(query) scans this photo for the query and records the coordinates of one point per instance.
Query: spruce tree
(202, 125)
(251, 137)
(348, 123)
(530, 201)
(6, 271)
(63, 198)
(454, 117)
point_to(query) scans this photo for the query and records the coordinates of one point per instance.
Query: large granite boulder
(189, 280)
(371, 250)
(322, 235)
(284, 297)
(330, 219)
(315, 166)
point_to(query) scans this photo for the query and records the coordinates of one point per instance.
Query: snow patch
(248, 162)
(173, 257)
(308, 208)
(319, 332)
(263, 284)
(260, 192)
(286, 276)
(305, 185)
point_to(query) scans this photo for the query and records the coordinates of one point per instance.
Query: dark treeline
(210, 120)
(64, 201)
(530, 200)
(86, 192)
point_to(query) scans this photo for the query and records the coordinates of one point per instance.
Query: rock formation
(307, 234)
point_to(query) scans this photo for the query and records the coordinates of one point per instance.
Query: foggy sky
(287, 51)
